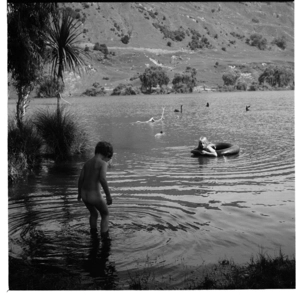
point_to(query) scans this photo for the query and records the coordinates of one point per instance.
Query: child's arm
(103, 182)
(210, 151)
(80, 181)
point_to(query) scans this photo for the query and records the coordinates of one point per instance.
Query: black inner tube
(222, 148)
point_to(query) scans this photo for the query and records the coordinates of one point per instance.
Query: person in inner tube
(206, 147)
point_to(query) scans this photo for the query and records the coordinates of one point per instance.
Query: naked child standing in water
(92, 177)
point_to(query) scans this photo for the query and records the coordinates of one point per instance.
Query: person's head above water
(203, 142)
(105, 149)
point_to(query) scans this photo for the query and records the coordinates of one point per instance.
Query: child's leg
(102, 207)
(93, 215)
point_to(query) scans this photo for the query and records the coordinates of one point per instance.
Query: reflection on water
(98, 266)
(170, 211)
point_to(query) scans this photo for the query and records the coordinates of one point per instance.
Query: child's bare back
(94, 172)
(92, 177)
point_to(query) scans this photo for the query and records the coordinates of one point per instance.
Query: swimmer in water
(92, 177)
(206, 147)
(152, 120)
(159, 134)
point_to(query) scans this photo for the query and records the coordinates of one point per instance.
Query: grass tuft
(264, 272)
(62, 134)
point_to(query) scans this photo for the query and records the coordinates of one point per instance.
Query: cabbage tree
(63, 52)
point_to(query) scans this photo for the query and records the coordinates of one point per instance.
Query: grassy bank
(264, 272)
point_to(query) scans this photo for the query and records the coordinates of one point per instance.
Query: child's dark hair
(104, 148)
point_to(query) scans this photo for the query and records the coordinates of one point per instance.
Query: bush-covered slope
(109, 22)
(211, 37)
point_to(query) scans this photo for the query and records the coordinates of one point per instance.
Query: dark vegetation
(153, 77)
(185, 82)
(27, 47)
(280, 42)
(258, 41)
(24, 146)
(264, 272)
(96, 90)
(126, 89)
(39, 34)
(271, 78)
(277, 76)
(57, 135)
(48, 87)
(125, 39)
(61, 132)
(198, 41)
(177, 35)
(101, 47)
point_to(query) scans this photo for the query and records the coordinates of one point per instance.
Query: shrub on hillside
(135, 76)
(258, 41)
(241, 86)
(48, 87)
(125, 39)
(152, 77)
(164, 89)
(280, 42)
(152, 14)
(237, 35)
(277, 76)
(230, 78)
(24, 147)
(126, 89)
(254, 86)
(74, 14)
(101, 47)
(95, 91)
(177, 35)
(62, 133)
(185, 82)
(198, 41)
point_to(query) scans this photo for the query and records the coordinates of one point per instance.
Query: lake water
(171, 212)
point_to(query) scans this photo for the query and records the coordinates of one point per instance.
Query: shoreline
(263, 273)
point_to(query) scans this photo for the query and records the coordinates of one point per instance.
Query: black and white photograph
(150, 146)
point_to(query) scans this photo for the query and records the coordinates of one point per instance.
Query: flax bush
(61, 132)
(24, 146)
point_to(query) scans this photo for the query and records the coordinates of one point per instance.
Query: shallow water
(171, 212)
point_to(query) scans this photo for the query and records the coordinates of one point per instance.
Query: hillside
(151, 26)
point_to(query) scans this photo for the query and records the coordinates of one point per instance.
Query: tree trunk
(58, 104)
(22, 105)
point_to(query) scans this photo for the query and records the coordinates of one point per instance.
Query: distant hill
(108, 22)
(161, 33)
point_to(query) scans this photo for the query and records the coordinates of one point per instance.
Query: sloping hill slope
(160, 32)
(107, 22)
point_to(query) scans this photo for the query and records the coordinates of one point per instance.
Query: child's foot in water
(105, 236)
(94, 232)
